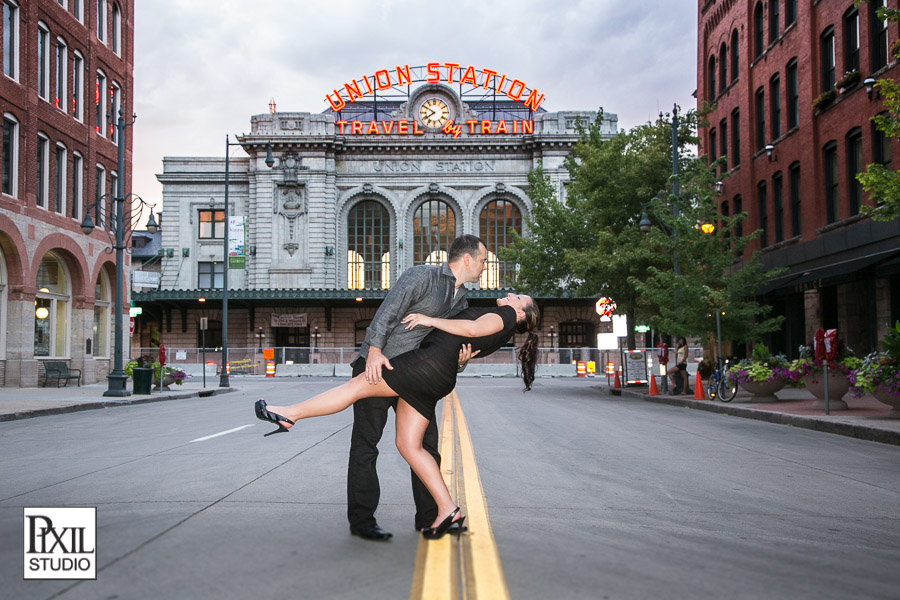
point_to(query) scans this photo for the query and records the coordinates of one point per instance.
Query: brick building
(67, 70)
(791, 112)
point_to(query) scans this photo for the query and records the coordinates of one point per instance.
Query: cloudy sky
(203, 67)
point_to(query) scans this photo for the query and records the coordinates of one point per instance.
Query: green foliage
(891, 342)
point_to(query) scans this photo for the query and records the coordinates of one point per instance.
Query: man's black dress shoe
(372, 532)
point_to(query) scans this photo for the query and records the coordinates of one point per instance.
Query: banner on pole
(237, 243)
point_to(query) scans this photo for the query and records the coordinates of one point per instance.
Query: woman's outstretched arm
(483, 325)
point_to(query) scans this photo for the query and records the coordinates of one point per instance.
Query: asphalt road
(589, 496)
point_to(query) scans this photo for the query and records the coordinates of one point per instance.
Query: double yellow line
(469, 566)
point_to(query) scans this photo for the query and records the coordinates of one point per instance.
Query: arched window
(723, 61)
(851, 39)
(878, 36)
(773, 20)
(51, 308)
(368, 247)
(9, 160)
(854, 168)
(734, 55)
(830, 161)
(794, 184)
(101, 329)
(762, 214)
(826, 46)
(758, 30)
(11, 39)
(116, 33)
(711, 79)
(498, 219)
(793, 95)
(434, 229)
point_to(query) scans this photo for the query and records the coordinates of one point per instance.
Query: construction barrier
(591, 367)
(270, 368)
(699, 394)
(653, 390)
(228, 368)
(581, 369)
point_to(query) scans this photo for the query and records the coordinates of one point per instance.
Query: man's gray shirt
(426, 289)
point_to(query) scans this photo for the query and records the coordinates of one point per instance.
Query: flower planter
(167, 381)
(761, 392)
(837, 387)
(892, 400)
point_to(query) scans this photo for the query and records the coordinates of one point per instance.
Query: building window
(735, 137)
(77, 185)
(211, 339)
(878, 41)
(102, 311)
(9, 162)
(59, 204)
(51, 308)
(368, 247)
(11, 39)
(62, 71)
(829, 155)
(115, 97)
(212, 224)
(773, 20)
(78, 10)
(575, 335)
(101, 20)
(99, 196)
(498, 219)
(711, 150)
(738, 210)
(758, 30)
(778, 205)
(794, 182)
(826, 45)
(114, 184)
(434, 229)
(734, 55)
(881, 145)
(723, 144)
(210, 275)
(43, 171)
(77, 86)
(723, 209)
(763, 212)
(43, 62)
(775, 105)
(100, 103)
(793, 95)
(711, 79)
(790, 12)
(854, 168)
(115, 34)
(760, 119)
(723, 62)
(851, 40)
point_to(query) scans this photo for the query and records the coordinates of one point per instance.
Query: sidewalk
(866, 418)
(22, 403)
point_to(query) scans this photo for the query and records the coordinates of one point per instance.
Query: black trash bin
(142, 379)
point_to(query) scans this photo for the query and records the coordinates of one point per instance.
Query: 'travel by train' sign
(434, 110)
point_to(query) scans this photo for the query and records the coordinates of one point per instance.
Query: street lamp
(116, 232)
(270, 162)
(259, 338)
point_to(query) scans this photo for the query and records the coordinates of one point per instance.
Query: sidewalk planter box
(762, 392)
(837, 387)
(141, 378)
(892, 400)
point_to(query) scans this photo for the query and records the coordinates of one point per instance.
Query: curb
(854, 430)
(59, 410)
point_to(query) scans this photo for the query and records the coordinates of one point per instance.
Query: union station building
(400, 163)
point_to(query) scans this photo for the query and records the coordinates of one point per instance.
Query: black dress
(425, 375)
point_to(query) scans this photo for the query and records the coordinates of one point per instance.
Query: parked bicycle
(718, 385)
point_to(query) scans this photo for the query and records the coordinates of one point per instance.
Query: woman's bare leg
(410, 431)
(334, 400)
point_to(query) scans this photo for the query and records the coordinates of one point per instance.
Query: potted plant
(762, 374)
(879, 373)
(810, 373)
(850, 79)
(824, 99)
(170, 375)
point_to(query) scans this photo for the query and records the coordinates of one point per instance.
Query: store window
(51, 308)
(102, 303)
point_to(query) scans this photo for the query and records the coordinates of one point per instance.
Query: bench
(60, 371)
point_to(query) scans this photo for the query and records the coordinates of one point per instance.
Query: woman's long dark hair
(528, 352)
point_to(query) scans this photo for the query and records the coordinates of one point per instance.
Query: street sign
(135, 311)
(642, 328)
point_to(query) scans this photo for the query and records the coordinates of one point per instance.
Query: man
(433, 290)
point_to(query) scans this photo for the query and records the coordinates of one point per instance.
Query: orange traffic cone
(653, 390)
(699, 394)
(616, 383)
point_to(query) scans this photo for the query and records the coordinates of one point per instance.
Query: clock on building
(434, 112)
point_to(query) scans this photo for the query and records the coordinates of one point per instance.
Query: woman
(420, 378)
(681, 358)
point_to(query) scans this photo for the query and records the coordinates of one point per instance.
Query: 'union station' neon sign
(447, 72)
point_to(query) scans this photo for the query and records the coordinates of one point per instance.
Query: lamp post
(117, 379)
(223, 378)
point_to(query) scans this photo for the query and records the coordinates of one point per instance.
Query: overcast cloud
(203, 67)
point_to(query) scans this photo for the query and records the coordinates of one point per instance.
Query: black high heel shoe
(433, 533)
(264, 415)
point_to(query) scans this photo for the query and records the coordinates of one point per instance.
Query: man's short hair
(464, 244)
